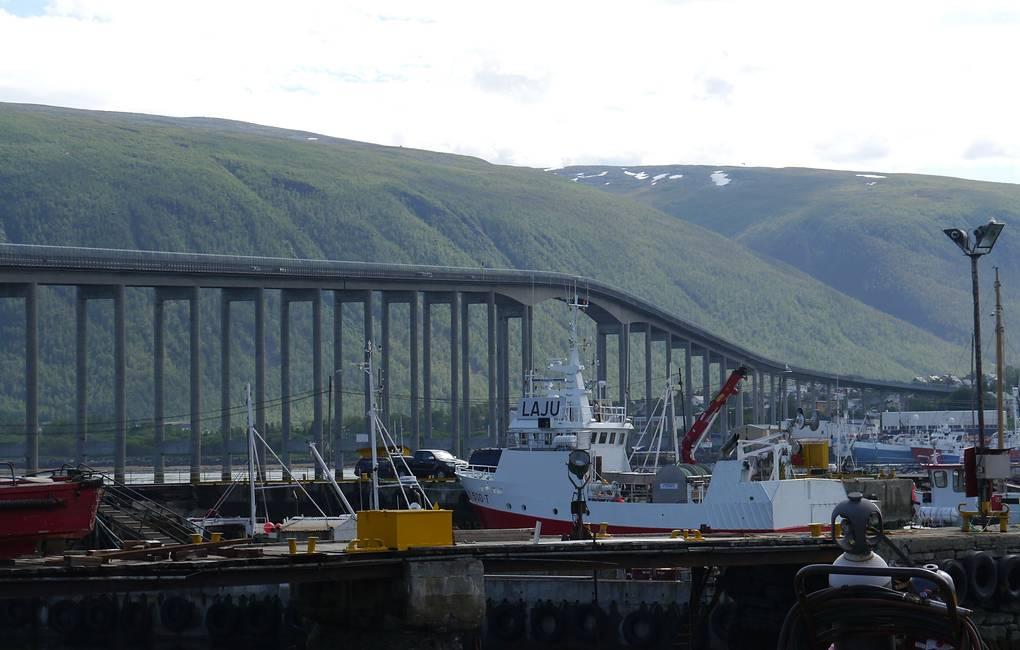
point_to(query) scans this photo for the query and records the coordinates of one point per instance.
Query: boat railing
(611, 414)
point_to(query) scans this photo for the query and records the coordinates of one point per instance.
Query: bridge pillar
(317, 428)
(120, 385)
(527, 359)
(260, 376)
(31, 377)
(81, 378)
(502, 371)
(773, 402)
(336, 437)
(624, 365)
(729, 406)
(384, 339)
(455, 432)
(649, 398)
(426, 352)
(465, 375)
(227, 469)
(158, 362)
(740, 405)
(670, 407)
(601, 356)
(491, 364)
(414, 317)
(285, 297)
(196, 386)
(755, 396)
(706, 374)
(813, 405)
(369, 330)
(688, 395)
(797, 401)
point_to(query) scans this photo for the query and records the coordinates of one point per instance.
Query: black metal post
(979, 377)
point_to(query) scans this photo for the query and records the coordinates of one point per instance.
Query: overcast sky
(892, 85)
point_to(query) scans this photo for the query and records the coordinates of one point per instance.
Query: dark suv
(364, 466)
(435, 463)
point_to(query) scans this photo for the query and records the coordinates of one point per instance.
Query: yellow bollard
(965, 519)
(603, 527)
(676, 533)
(837, 529)
(292, 545)
(311, 544)
(697, 535)
(1003, 522)
(217, 537)
(196, 538)
(816, 530)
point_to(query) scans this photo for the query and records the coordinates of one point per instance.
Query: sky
(885, 86)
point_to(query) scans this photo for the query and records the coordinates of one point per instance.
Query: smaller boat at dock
(37, 508)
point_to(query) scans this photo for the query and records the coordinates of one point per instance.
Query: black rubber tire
(17, 613)
(641, 628)
(263, 618)
(64, 617)
(221, 619)
(982, 575)
(590, 622)
(99, 615)
(958, 573)
(1009, 578)
(136, 618)
(506, 621)
(547, 624)
(177, 613)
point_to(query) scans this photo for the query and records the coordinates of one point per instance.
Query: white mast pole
(251, 457)
(374, 439)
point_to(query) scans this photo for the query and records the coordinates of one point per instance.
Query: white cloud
(549, 84)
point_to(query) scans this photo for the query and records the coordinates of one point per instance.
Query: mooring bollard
(217, 537)
(292, 545)
(196, 538)
(311, 544)
(816, 530)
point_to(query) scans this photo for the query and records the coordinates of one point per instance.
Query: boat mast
(999, 365)
(372, 414)
(251, 458)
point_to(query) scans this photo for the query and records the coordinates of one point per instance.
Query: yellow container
(404, 529)
(815, 453)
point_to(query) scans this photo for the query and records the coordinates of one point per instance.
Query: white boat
(941, 505)
(755, 491)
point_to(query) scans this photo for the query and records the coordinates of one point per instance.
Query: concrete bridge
(103, 274)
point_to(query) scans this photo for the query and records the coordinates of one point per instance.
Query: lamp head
(986, 235)
(960, 238)
(578, 463)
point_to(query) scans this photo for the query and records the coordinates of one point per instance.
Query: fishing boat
(37, 508)
(756, 490)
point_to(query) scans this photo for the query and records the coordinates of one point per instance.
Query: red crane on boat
(692, 439)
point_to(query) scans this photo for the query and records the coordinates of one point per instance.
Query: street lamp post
(974, 245)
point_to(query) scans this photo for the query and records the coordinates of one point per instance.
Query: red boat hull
(31, 512)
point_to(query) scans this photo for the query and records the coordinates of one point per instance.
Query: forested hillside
(873, 236)
(71, 177)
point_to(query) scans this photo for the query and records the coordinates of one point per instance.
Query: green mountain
(873, 236)
(71, 177)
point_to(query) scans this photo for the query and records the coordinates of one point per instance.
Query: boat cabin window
(612, 438)
(602, 438)
(940, 479)
(958, 482)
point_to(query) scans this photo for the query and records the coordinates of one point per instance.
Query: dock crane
(696, 434)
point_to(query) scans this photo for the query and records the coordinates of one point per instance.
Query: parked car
(435, 463)
(364, 466)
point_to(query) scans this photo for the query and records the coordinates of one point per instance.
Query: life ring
(221, 619)
(177, 613)
(506, 621)
(590, 622)
(64, 617)
(641, 628)
(546, 622)
(982, 575)
(961, 584)
(1009, 577)
(99, 615)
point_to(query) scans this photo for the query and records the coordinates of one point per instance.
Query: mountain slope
(86, 178)
(876, 237)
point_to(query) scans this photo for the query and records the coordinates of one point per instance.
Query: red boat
(36, 508)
